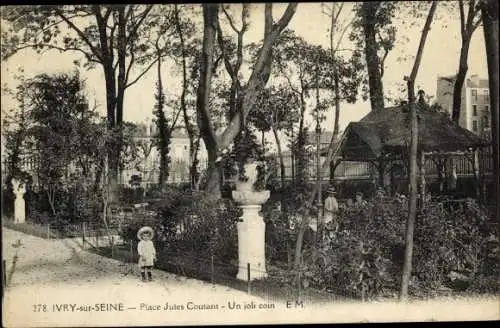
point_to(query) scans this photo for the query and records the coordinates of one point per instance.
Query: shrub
(7, 202)
(365, 255)
(189, 222)
(207, 227)
(129, 195)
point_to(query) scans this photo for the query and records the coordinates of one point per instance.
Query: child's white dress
(147, 253)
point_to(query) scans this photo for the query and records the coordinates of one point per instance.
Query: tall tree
(468, 24)
(55, 105)
(112, 36)
(187, 51)
(373, 28)
(412, 204)
(258, 78)
(337, 31)
(489, 12)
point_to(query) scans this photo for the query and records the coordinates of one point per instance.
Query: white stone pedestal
(251, 244)
(19, 203)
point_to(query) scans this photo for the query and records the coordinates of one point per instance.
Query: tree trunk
(110, 81)
(164, 133)
(210, 12)
(489, 10)
(122, 44)
(300, 145)
(187, 123)
(336, 128)
(412, 174)
(467, 28)
(459, 81)
(280, 156)
(193, 172)
(369, 10)
(214, 175)
(332, 150)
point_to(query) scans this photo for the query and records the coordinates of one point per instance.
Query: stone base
(251, 244)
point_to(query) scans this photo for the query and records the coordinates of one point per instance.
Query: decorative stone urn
(252, 229)
(19, 203)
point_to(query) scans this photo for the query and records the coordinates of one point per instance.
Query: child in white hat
(146, 251)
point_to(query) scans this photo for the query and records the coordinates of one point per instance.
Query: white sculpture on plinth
(252, 229)
(19, 203)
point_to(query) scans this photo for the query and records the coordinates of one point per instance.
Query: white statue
(19, 203)
(252, 229)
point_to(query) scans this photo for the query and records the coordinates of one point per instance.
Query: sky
(440, 57)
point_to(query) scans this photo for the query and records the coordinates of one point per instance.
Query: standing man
(330, 208)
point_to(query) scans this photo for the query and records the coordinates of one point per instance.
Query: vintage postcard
(213, 164)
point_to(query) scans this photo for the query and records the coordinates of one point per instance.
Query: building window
(486, 94)
(474, 125)
(486, 122)
(474, 94)
(487, 109)
(474, 110)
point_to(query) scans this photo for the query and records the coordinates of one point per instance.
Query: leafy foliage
(365, 255)
(189, 222)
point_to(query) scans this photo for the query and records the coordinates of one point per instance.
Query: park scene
(305, 152)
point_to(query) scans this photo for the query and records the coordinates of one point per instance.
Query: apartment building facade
(475, 113)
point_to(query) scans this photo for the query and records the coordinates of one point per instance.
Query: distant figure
(349, 202)
(331, 207)
(146, 251)
(360, 202)
(380, 193)
(421, 98)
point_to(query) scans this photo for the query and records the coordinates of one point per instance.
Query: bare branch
(287, 16)
(230, 19)
(176, 118)
(136, 25)
(112, 34)
(227, 63)
(462, 18)
(80, 33)
(244, 15)
(106, 15)
(476, 25)
(143, 72)
(338, 12)
(132, 60)
(51, 46)
(382, 61)
(342, 36)
(470, 15)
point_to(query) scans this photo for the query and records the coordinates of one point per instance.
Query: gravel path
(57, 271)
(99, 291)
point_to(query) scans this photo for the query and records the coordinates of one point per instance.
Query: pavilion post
(440, 165)
(381, 172)
(475, 164)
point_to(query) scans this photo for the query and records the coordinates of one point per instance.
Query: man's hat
(143, 230)
(359, 193)
(331, 190)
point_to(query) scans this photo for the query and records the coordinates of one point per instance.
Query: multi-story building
(475, 109)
